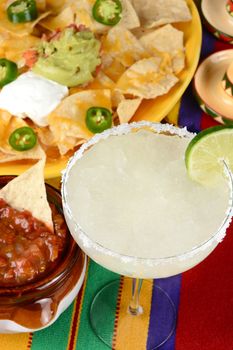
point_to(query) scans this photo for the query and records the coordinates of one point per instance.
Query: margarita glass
(140, 256)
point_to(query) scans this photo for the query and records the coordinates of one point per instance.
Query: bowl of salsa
(41, 271)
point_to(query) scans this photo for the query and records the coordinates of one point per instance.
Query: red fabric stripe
(29, 341)
(207, 121)
(74, 324)
(221, 45)
(117, 313)
(206, 302)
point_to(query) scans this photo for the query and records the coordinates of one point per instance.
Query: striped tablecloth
(203, 296)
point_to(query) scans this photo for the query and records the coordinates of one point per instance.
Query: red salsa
(28, 248)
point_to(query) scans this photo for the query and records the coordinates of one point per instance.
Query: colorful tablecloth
(203, 296)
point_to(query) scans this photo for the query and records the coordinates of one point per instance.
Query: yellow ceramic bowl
(152, 110)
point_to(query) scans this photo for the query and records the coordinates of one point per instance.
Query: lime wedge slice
(205, 154)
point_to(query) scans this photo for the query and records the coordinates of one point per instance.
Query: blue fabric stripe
(190, 112)
(208, 43)
(159, 320)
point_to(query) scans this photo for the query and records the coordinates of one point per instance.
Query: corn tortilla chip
(127, 108)
(36, 153)
(19, 29)
(67, 121)
(7, 153)
(12, 46)
(144, 79)
(41, 5)
(80, 12)
(158, 12)
(27, 192)
(121, 45)
(166, 39)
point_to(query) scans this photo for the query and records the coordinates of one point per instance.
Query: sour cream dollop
(32, 96)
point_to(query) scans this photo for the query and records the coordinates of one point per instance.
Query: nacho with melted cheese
(121, 45)
(120, 56)
(167, 40)
(156, 13)
(80, 12)
(144, 79)
(67, 121)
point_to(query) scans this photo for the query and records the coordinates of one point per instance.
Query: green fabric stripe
(56, 336)
(98, 277)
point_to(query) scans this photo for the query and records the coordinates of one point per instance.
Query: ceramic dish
(152, 110)
(211, 86)
(36, 305)
(218, 18)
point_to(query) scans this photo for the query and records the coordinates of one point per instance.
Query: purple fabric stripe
(158, 323)
(208, 43)
(190, 113)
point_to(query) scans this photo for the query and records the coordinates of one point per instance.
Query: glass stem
(134, 307)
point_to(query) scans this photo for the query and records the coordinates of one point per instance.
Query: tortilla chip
(7, 153)
(121, 45)
(36, 153)
(166, 39)
(102, 81)
(41, 5)
(80, 12)
(130, 18)
(67, 121)
(27, 192)
(117, 97)
(19, 29)
(144, 79)
(158, 12)
(45, 136)
(7, 126)
(12, 46)
(127, 108)
(5, 118)
(113, 69)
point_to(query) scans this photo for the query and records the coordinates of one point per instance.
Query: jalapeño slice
(107, 12)
(8, 71)
(98, 119)
(21, 11)
(23, 139)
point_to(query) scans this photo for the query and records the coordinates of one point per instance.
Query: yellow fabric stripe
(75, 322)
(132, 331)
(173, 115)
(15, 341)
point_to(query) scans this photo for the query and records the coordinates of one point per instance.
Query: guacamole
(70, 57)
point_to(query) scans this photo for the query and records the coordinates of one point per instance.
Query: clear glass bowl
(38, 304)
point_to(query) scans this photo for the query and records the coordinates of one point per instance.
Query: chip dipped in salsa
(33, 233)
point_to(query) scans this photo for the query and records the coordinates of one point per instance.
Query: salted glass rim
(124, 129)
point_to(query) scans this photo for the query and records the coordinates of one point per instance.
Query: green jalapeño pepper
(22, 11)
(8, 71)
(23, 139)
(107, 12)
(98, 119)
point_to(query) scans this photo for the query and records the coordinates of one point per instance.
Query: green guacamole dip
(69, 58)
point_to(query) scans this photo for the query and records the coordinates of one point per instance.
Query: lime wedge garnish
(205, 154)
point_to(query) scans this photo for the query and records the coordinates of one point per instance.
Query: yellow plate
(152, 110)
